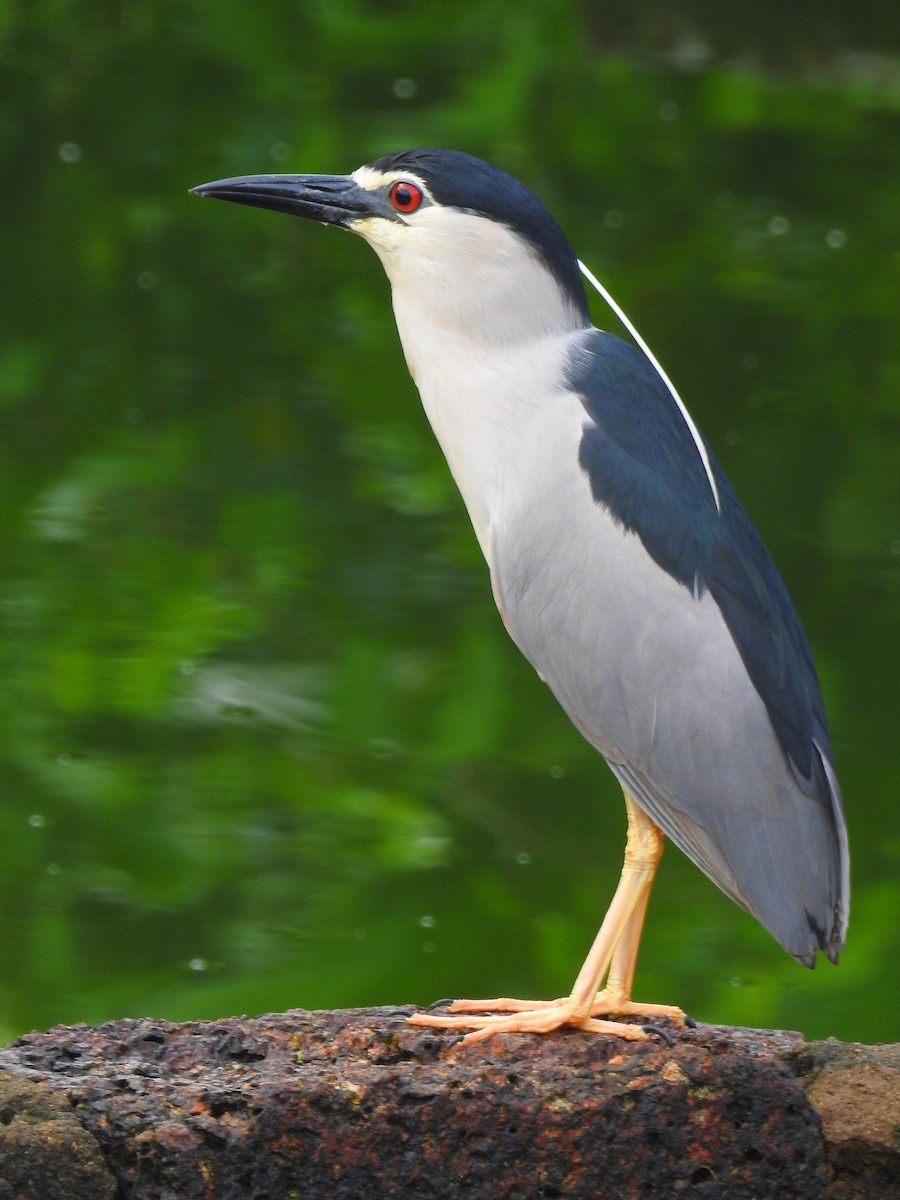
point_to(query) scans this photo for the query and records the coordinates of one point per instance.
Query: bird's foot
(484, 1018)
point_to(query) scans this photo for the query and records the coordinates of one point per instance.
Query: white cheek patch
(382, 234)
(471, 277)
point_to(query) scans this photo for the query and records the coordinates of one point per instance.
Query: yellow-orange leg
(613, 956)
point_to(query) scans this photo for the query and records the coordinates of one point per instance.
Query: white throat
(485, 328)
(471, 278)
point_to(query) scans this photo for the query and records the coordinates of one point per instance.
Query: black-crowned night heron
(622, 563)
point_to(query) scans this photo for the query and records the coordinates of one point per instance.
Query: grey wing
(668, 637)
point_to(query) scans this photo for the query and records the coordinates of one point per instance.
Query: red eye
(405, 197)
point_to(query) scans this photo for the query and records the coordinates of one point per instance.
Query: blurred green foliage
(265, 743)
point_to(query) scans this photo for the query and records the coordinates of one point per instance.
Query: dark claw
(406, 1011)
(690, 1022)
(438, 1004)
(666, 1037)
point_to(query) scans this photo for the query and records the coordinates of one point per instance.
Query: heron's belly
(647, 671)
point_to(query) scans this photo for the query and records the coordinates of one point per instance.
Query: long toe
(606, 1006)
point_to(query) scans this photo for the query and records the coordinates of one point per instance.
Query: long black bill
(331, 199)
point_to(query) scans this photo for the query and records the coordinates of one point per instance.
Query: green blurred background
(264, 741)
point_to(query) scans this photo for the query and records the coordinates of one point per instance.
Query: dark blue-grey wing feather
(644, 466)
(634, 454)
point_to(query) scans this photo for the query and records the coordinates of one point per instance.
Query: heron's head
(465, 246)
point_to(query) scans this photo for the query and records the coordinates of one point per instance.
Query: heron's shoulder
(640, 457)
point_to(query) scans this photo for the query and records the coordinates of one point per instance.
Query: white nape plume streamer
(689, 421)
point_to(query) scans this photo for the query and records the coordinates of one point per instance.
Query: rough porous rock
(856, 1091)
(357, 1104)
(44, 1149)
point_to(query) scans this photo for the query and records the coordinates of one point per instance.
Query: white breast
(499, 419)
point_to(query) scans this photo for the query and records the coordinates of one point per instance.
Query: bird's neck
(490, 407)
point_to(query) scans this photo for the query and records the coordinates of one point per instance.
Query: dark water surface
(264, 740)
